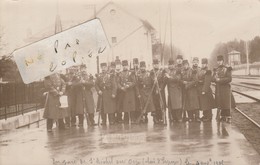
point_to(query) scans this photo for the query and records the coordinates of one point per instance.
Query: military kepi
(142, 64)
(155, 61)
(125, 63)
(103, 64)
(195, 59)
(171, 61)
(204, 61)
(220, 58)
(179, 57)
(83, 66)
(113, 64)
(185, 62)
(135, 61)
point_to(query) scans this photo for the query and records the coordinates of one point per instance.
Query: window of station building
(112, 11)
(114, 40)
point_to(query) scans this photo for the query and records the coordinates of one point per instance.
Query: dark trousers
(80, 117)
(225, 113)
(184, 115)
(158, 112)
(90, 118)
(128, 118)
(135, 115)
(60, 123)
(194, 114)
(118, 117)
(176, 114)
(111, 117)
(207, 114)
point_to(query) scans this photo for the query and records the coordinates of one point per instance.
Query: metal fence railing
(19, 98)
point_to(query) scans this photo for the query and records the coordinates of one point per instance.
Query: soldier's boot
(190, 116)
(103, 118)
(228, 119)
(67, 122)
(228, 116)
(119, 117)
(73, 121)
(155, 120)
(173, 116)
(49, 125)
(170, 116)
(142, 118)
(111, 118)
(197, 115)
(81, 120)
(61, 124)
(146, 118)
(218, 116)
(207, 116)
(185, 116)
(126, 118)
(91, 119)
(179, 115)
(224, 114)
(133, 117)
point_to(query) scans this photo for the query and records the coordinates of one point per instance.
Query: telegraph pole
(171, 28)
(247, 59)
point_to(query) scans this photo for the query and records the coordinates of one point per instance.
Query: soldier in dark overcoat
(136, 71)
(84, 99)
(77, 102)
(189, 79)
(207, 102)
(145, 84)
(224, 98)
(106, 88)
(56, 87)
(174, 86)
(158, 76)
(69, 79)
(119, 93)
(126, 85)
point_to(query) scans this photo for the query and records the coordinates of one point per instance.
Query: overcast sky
(197, 25)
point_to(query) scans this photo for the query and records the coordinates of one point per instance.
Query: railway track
(249, 86)
(242, 113)
(250, 97)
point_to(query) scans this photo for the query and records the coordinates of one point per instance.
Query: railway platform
(180, 144)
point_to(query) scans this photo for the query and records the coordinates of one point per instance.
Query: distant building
(129, 37)
(234, 58)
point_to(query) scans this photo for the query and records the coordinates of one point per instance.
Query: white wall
(132, 38)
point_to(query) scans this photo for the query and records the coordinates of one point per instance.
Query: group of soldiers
(127, 95)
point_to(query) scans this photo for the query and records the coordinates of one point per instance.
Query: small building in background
(234, 58)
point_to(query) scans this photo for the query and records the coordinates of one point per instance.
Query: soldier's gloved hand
(139, 96)
(127, 86)
(45, 93)
(185, 82)
(217, 79)
(203, 93)
(60, 93)
(100, 92)
(69, 83)
(113, 96)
